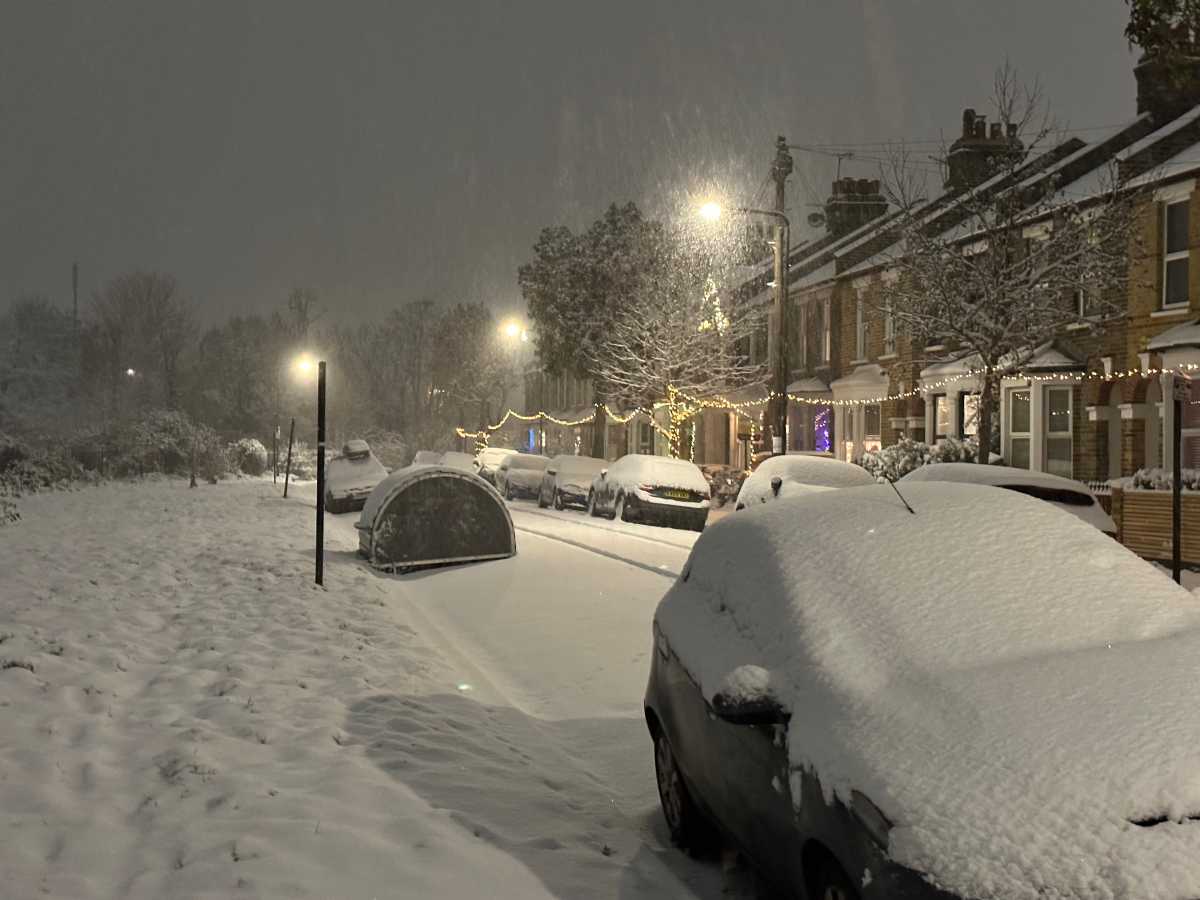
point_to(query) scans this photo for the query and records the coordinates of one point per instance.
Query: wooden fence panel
(1145, 525)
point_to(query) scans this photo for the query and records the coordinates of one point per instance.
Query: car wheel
(542, 504)
(689, 828)
(591, 506)
(508, 492)
(620, 511)
(832, 883)
(558, 504)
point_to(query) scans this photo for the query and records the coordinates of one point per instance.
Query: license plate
(678, 495)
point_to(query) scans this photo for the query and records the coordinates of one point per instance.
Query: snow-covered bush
(304, 461)
(1155, 479)
(897, 460)
(8, 511)
(248, 456)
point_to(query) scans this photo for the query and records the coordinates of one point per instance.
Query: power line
(850, 145)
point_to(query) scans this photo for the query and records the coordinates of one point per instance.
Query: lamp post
(304, 366)
(514, 333)
(777, 329)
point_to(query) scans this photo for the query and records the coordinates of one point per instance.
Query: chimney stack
(980, 152)
(853, 203)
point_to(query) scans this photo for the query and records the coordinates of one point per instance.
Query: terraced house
(1058, 416)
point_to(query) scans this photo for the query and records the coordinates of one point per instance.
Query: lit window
(1018, 429)
(1058, 431)
(1175, 256)
(889, 332)
(941, 417)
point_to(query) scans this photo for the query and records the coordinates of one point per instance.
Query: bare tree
(1013, 259)
(674, 344)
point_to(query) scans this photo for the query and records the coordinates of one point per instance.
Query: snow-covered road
(201, 721)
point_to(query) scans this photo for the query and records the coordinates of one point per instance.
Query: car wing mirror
(552, 471)
(747, 698)
(604, 473)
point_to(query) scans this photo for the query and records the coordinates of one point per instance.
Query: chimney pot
(1012, 130)
(968, 122)
(864, 186)
(997, 131)
(981, 127)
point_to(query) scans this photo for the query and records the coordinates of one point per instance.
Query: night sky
(380, 152)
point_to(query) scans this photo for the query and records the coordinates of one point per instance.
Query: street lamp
(303, 366)
(131, 372)
(777, 333)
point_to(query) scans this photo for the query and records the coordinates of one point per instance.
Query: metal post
(275, 455)
(321, 472)
(287, 473)
(1181, 390)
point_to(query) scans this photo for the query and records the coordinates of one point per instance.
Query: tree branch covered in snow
(1009, 264)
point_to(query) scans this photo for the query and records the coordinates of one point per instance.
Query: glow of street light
(130, 372)
(304, 365)
(512, 329)
(711, 211)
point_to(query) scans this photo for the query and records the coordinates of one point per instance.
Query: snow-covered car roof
(529, 461)
(1014, 690)
(356, 446)
(569, 464)
(426, 458)
(493, 455)
(344, 473)
(463, 461)
(662, 471)
(800, 474)
(1072, 496)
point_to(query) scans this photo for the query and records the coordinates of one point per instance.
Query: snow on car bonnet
(800, 474)
(1012, 688)
(663, 472)
(527, 461)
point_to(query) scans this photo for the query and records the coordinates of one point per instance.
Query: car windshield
(371, 371)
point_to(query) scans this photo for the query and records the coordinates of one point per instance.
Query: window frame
(936, 401)
(1012, 435)
(860, 330)
(1060, 437)
(889, 332)
(962, 415)
(827, 330)
(1169, 257)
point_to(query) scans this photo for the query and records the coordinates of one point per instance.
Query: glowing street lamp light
(711, 211)
(130, 372)
(512, 329)
(304, 365)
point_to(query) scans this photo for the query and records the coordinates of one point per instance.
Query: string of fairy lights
(682, 407)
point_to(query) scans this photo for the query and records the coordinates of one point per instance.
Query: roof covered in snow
(1185, 335)
(1012, 714)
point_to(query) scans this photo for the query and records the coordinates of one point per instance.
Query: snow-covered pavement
(187, 715)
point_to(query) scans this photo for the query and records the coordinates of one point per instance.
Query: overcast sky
(384, 151)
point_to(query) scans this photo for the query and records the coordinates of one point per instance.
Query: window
(941, 417)
(1058, 431)
(889, 332)
(860, 331)
(1018, 429)
(1175, 255)
(871, 429)
(802, 341)
(968, 415)
(1087, 302)
(827, 330)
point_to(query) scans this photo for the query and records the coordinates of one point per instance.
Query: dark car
(828, 699)
(567, 480)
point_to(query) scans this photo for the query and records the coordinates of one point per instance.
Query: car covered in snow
(426, 458)
(489, 460)
(652, 489)
(1013, 718)
(568, 479)
(792, 474)
(351, 476)
(1072, 496)
(464, 462)
(520, 475)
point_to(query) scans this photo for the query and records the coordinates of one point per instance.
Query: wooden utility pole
(287, 472)
(777, 350)
(320, 576)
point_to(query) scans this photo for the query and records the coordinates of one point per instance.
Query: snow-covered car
(427, 458)
(350, 477)
(1072, 496)
(489, 460)
(464, 462)
(567, 480)
(988, 699)
(520, 475)
(643, 488)
(793, 474)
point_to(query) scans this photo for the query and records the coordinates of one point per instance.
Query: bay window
(1018, 428)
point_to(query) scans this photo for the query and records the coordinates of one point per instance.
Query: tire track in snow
(608, 554)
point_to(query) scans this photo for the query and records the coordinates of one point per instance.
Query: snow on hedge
(897, 460)
(1012, 688)
(1155, 479)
